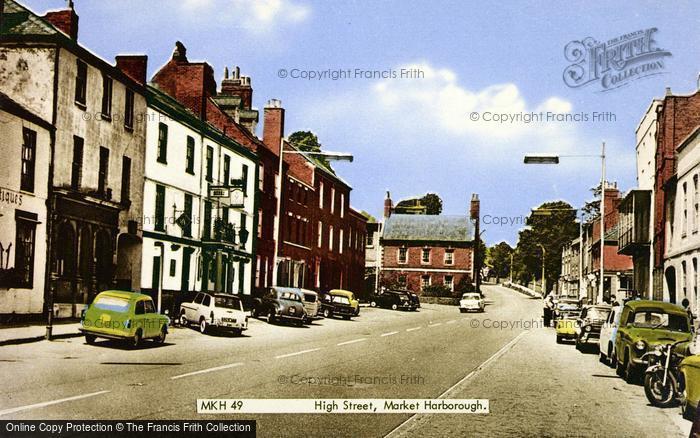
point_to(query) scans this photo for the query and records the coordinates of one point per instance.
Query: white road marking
(476, 370)
(49, 403)
(297, 353)
(208, 370)
(388, 334)
(352, 342)
(435, 325)
(412, 329)
(452, 321)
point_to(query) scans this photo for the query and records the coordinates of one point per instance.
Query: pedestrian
(548, 306)
(686, 306)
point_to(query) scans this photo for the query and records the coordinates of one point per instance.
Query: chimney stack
(474, 207)
(65, 20)
(134, 66)
(388, 205)
(273, 131)
(239, 86)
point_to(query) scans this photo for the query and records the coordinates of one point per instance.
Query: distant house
(423, 250)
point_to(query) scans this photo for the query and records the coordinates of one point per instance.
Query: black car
(590, 322)
(393, 299)
(279, 305)
(332, 305)
(415, 300)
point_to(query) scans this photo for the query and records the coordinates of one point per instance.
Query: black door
(185, 283)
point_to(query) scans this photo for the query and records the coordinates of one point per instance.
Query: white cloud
(256, 16)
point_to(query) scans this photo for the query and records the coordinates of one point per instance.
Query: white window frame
(430, 281)
(451, 261)
(342, 205)
(320, 234)
(330, 238)
(398, 256)
(340, 241)
(320, 194)
(422, 252)
(261, 178)
(332, 200)
(451, 282)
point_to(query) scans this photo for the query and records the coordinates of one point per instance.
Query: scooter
(662, 380)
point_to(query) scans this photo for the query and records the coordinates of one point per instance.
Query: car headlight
(587, 328)
(640, 345)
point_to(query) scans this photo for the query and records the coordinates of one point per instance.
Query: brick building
(422, 250)
(677, 117)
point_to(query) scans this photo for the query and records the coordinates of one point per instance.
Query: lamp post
(544, 255)
(334, 156)
(554, 159)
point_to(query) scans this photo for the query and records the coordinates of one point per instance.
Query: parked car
(608, 332)
(644, 325)
(392, 299)
(215, 311)
(567, 320)
(590, 323)
(280, 304)
(564, 305)
(310, 299)
(690, 369)
(471, 301)
(414, 300)
(333, 304)
(130, 316)
(351, 296)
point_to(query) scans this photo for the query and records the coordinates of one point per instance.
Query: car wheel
(253, 313)
(559, 339)
(462, 310)
(577, 343)
(326, 313)
(138, 338)
(183, 321)
(373, 304)
(161, 337)
(270, 317)
(237, 332)
(394, 307)
(346, 317)
(203, 326)
(687, 411)
(90, 339)
(619, 367)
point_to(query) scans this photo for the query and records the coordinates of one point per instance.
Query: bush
(437, 290)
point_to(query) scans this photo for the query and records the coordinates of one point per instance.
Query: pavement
(33, 333)
(535, 386)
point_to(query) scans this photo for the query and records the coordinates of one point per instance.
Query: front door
(185, 283)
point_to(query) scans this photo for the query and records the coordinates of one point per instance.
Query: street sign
(237, 198)
(183, 221)
(219, 191)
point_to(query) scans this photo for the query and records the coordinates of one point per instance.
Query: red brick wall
(678, 116)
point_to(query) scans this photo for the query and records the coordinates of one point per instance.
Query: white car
(607, 336)
(223, 311)
(471, 301)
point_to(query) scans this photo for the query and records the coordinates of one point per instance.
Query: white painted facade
(166, 248)
(683, 226)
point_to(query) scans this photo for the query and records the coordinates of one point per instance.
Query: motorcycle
(662, 379)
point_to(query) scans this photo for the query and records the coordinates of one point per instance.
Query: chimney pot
(180, 52)
(668, 91)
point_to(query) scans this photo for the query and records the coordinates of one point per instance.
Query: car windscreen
(113, 304)
(471, 297)
(291, 296)
(228, 302)
(598, 314)
(660, 320)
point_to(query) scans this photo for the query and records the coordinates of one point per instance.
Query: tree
(307, 141)
(370, 218)
(499, 259)
(433, 203)
(552, 231)
(592, 208)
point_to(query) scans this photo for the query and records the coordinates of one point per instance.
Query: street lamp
(544, 255)
(554, 159)
(334, 156)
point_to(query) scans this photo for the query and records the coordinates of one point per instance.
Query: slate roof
(18, 20)
(424, 228)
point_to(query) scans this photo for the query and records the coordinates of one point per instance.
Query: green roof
(18, 20)
(428, 228)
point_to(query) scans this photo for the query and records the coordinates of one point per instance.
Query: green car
(690, 368)
(644, 325)
(130, 316)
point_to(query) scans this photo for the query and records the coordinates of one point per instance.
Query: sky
(426, 132)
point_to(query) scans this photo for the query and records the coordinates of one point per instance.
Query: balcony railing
(634, 222)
